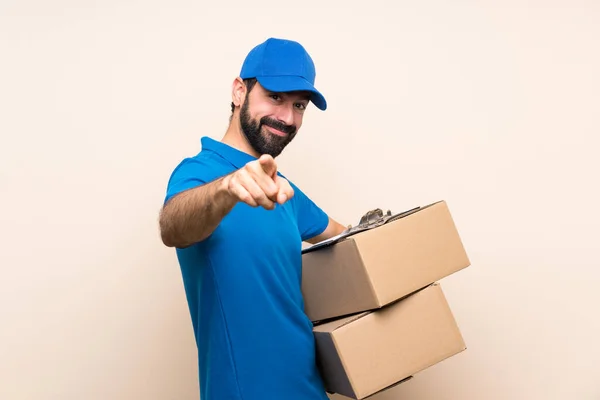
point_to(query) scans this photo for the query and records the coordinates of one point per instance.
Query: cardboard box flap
(330, 326)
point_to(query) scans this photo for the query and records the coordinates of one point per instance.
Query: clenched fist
(257, 184)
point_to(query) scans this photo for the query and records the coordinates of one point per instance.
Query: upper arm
(333, 228)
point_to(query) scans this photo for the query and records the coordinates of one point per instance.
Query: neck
(236, 139)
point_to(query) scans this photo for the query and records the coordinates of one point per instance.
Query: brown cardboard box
(367, 353)
(375, 267)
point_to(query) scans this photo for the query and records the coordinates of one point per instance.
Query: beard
(263, 141)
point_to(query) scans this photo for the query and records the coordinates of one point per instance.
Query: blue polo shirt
(243, 287)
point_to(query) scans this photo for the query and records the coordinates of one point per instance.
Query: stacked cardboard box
(379, 313)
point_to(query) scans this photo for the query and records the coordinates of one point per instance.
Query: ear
(238, 91)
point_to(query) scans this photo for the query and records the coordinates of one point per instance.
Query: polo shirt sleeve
(190, 173)
(312, 220)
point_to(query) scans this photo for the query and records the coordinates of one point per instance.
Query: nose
(285, 113)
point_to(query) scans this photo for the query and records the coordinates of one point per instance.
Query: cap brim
(292, 84)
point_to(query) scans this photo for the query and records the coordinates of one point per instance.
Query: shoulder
(204, 162)
(195, 171)
(204, 157)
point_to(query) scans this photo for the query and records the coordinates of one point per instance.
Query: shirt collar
(236, 157)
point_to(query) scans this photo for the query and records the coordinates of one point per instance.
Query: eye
(301, 106)
(275, 96)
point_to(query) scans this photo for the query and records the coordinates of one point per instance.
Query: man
(238, 225)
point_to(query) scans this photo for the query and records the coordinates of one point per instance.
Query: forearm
(193, 215)
(334, 228)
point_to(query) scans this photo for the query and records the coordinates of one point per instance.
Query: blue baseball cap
(281, 65)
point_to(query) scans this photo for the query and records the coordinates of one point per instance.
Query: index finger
(268, 165)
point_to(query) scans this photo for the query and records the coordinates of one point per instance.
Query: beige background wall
(492, 106)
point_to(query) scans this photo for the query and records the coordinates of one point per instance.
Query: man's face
(271, 120)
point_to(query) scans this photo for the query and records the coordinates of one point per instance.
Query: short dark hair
(249, 82)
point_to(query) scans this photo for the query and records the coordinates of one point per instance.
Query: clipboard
(371, 219)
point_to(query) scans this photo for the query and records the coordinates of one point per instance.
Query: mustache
(280, 126)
